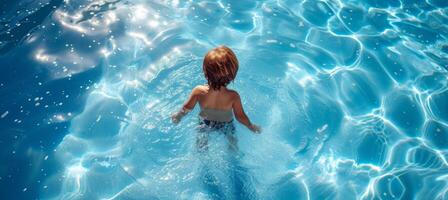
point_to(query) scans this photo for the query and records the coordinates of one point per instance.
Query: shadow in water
(227, 180)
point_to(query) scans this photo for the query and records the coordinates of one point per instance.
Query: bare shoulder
(233, 94)
(200, 90)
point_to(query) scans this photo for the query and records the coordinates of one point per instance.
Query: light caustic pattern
(351, 95)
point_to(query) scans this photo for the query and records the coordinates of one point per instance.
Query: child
(216, 101)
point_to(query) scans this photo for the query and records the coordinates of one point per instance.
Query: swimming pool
(351, 95)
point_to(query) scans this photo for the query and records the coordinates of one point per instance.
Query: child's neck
(222, 88)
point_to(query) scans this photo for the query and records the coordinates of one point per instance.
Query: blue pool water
(351, 95)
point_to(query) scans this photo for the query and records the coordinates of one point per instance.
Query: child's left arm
(187, 107)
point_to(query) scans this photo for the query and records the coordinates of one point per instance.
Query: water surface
(351, 95)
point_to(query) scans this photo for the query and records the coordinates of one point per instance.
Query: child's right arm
(188, 105)
(241, 116)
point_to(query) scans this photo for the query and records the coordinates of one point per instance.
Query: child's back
(218, 103)
(221, 99)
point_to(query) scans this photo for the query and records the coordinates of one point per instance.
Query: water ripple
(352, 97)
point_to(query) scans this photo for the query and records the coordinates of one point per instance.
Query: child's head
(220, 67)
